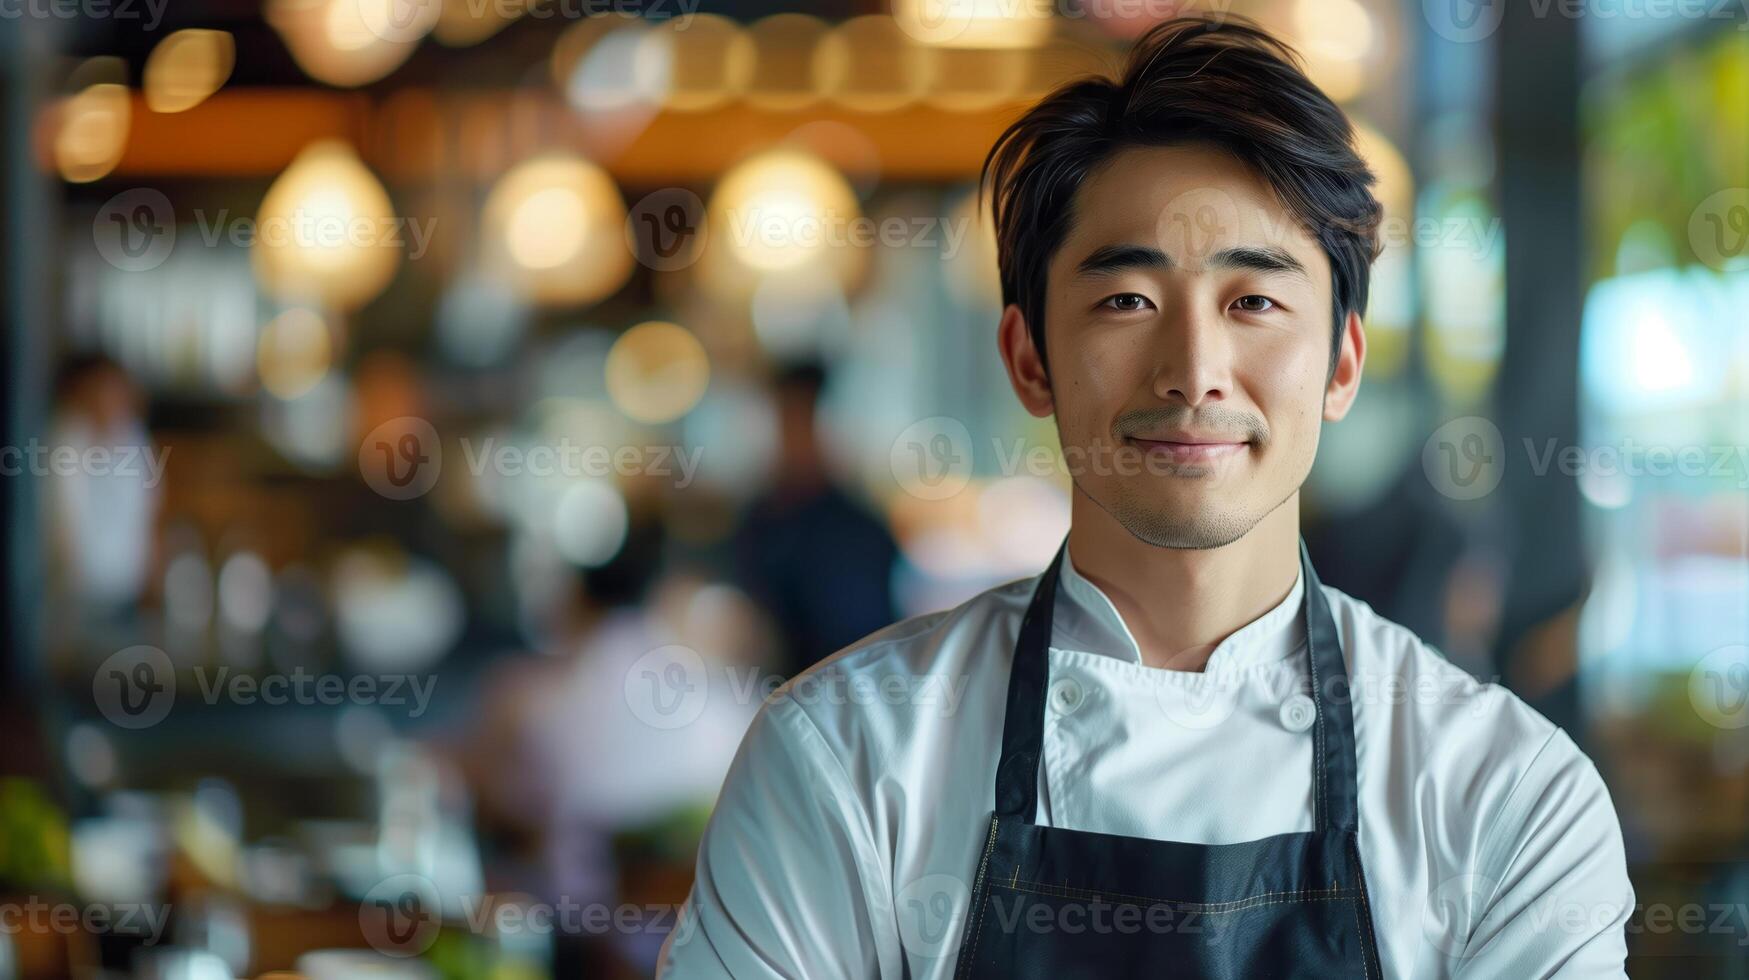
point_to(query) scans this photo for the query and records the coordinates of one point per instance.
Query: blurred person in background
(813, 557)
(1175, 720)
(101, 494)
(600, 798)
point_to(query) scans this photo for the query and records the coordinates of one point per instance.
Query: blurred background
(432, 426)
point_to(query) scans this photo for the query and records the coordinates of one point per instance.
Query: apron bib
(1056, 904)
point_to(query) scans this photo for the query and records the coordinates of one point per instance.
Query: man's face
(1188, 333)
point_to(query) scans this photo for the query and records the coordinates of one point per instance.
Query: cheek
(1285, 377)
(1100, 372)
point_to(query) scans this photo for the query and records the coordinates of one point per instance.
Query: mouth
(1189, 449)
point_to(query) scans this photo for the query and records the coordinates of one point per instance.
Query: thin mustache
(1148, 419)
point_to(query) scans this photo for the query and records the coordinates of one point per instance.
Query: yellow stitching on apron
(983, 869)
(1183, 905)
(1365, 926)
(1365, 968)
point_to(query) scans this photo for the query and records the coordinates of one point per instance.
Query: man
(813, 557)
(1174, 752)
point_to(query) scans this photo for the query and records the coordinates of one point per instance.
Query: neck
(1180, 603)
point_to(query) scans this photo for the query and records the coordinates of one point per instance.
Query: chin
(1192, 527)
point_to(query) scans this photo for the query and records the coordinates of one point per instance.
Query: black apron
(1062, 904)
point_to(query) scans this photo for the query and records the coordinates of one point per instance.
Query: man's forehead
(1188, 201)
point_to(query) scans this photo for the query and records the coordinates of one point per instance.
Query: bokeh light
(186, 67)
(554, 231)
(656, 372)
(326, 231)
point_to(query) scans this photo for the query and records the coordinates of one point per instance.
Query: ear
(1344, 384)
(1026, 369)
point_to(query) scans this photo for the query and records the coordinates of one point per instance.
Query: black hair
(1224, 82)
(78, 368)
(805, 377)
(626, 578)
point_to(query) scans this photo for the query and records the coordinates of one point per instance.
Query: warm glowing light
(972, 79)
(93, 132)
(783, 71)
(554, 231)
(657, 372)
(293, 352)
(547, 230)
(974, 23)
(186, 67)
(868, 63)
(783, 209)
(327, 232)
(1338, 40)
(710, 60)
(351, 42)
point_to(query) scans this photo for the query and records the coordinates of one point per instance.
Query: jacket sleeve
(1550, 896)
(786, 874)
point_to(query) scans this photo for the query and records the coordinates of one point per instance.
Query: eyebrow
(1110, 259)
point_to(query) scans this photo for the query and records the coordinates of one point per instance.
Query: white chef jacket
(846, 838)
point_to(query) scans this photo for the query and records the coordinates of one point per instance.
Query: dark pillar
(26, 216)
(1537, 392)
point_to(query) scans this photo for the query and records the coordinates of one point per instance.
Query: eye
(1254, 304)
(1126, 302)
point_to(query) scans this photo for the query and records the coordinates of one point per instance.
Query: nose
(1192, 356)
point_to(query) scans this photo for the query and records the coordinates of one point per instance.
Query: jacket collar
(1085, 619)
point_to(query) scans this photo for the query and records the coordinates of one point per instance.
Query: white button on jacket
(847, 834)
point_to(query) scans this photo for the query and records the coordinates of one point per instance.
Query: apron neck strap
(1333, 777)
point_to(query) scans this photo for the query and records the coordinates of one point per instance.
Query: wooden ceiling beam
(417, 135)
